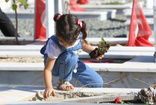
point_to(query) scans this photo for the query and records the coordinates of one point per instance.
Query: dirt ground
(21, 60)
(41, 60)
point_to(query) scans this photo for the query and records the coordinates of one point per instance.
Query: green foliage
(24, 3)
(14, 6)
(6, 0)
(143, 81)
(103, 46)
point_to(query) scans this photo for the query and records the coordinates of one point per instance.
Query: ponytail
(84, 30)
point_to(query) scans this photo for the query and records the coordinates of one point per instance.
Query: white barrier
(154, 16)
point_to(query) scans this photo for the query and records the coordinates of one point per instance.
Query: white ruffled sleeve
(52, 50)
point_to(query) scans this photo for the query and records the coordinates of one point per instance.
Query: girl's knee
(96, 84)
(69, 57)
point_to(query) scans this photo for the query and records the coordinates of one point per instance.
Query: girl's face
(64, 43)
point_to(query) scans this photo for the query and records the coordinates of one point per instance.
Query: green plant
(103, 47)
(14, 7)
(149, 84)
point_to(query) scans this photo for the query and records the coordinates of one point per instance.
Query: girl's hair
(67, 27)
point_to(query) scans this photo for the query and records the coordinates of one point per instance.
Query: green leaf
(102, 40)
(14, 6)
(24, 3)
(142, 81)
(6, 0)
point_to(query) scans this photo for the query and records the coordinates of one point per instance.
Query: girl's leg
(64, 65)
(88, 76)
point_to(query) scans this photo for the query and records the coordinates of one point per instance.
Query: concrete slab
(13, 94)
(114, 51)
(149, 21)
(20, 54)
(94, 41)
(142, 59)
(113, 55)
(148, 12)
(55, 103)
(12, 41)
(20, 47)
(137, 66)
(92, 14)
(95, 12)
(119, 8)
(114, 74)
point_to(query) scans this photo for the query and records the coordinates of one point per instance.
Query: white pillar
(50, 12)
(52, 7)
(58, 6)
(154, 16)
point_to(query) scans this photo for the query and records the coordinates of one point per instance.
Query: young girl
(60, 60)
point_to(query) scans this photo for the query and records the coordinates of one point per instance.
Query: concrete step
(148, 12)
(150, 21)
(119, 8)
(98, 14)
(113, 52)
(120, 75)
(142, 64)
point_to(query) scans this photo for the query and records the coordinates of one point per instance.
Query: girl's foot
(62, 85)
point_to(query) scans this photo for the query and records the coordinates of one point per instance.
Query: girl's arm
(48, 77)
(88, 48)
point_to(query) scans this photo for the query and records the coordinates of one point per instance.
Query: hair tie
(58, 17)
(79, 23)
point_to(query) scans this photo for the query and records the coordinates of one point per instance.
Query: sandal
(148, 95)
(62, 85)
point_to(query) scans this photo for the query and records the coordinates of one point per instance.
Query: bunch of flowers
(118, 101)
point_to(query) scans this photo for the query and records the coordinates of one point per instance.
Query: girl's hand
(100, 57)
(48, 92)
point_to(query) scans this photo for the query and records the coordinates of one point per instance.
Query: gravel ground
(95, 28)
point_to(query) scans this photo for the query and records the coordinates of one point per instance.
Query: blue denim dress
(66, 63)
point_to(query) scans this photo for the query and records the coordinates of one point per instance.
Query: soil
(21, 60)
(41, 60)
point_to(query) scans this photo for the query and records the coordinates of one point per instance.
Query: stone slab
(12, 41)
(149, 20)
(29, 42)
(55, 103)
(13, 94)
(114, 51)
(119, 8)
(103, 15)
(102, 99)
(113, 55)
(111, 67)
(20, 47)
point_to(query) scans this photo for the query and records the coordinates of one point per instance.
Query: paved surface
(13, 94)
(54, 103)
